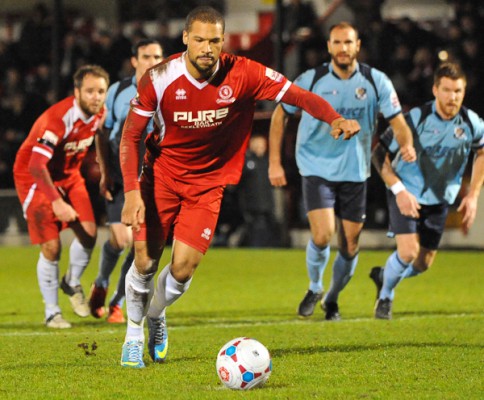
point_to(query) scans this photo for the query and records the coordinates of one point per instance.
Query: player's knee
(350, 250)
(145, 264)
(183, 270)
(322, 239)
(121, 239)
(51, 250)
(423, 263)
(408, 253)
(119, 244)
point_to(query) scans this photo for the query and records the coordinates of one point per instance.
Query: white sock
(48, 278)
(167, 291)
(139, 289)
(79, 257)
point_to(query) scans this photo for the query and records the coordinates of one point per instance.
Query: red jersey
(201, 128)
(62, 134)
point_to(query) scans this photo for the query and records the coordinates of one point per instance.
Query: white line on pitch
(211, 323)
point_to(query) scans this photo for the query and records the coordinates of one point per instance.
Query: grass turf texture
(432, 349)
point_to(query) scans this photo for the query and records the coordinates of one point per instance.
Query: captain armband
(397, 187)
(49, 139)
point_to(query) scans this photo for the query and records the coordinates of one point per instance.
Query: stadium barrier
(13, 230)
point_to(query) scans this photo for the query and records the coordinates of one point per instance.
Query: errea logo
(181, 94)
(206, 233)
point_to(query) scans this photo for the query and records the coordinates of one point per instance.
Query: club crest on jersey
(225, 95)
(274, 75)
(360, 93)
(459, 133)
(181, 94)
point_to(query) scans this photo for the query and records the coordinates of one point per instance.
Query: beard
(344, 65)
(204, 70)
(87, 109)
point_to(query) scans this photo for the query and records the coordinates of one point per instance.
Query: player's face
(343, 46)
(204, 44)
(449, 95)
(147, 57)
(92, 94)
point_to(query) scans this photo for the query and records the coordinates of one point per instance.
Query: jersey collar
(196, 83)
(331, 69)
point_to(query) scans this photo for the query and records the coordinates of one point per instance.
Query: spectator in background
(71, 58)
(301, 33)
(35, 38)
(420, 77)
(256, 197)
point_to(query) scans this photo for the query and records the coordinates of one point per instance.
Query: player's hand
(346, 127)
(468, 208)
(133, 213)
(63, 211)
(277, 176)
(407, 204)
(408, 153)
(105, 187)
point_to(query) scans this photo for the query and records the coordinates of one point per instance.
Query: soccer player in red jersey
(203, 103)
(53, 192)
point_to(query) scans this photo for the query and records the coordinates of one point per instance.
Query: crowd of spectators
(406, 50)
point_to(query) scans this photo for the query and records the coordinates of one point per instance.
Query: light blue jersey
(365, 94)
(443, 148)
(118, 102)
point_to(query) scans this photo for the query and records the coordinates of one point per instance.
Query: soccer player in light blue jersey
(419, 195)
(334, 172)
(146, 53)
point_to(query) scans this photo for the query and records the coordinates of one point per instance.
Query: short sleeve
(388, 103)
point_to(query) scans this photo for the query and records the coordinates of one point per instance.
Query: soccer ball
(243, 363)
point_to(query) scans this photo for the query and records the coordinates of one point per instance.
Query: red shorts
(191, 210)
(42, 223)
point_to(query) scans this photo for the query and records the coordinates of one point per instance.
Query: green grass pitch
(432, 349)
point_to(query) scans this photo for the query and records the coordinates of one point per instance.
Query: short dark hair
(95, 70)
(449, 70)
(204, 14)
(344, 25)
(142, 43)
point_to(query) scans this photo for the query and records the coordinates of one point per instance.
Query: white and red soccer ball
(243, 363)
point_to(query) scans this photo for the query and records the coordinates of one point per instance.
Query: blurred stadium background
(42, 43)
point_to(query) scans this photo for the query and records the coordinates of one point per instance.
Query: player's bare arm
(102, 152)
(468, 205)
(406, 201)
(403, 136)
(279, 119)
